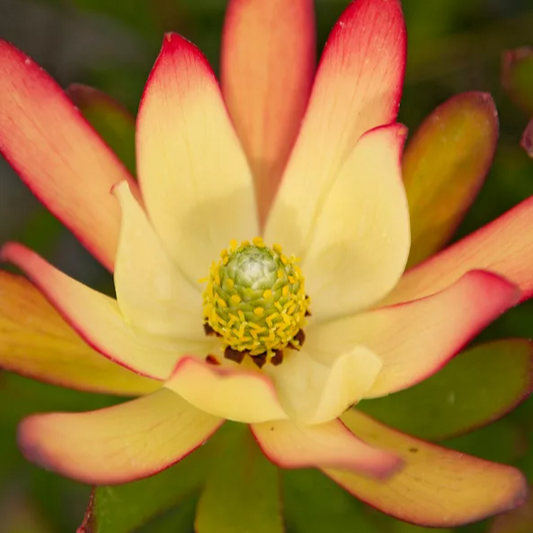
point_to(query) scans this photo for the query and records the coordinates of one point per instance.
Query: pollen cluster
(255, 299)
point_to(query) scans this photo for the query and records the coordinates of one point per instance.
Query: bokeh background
(454, 46)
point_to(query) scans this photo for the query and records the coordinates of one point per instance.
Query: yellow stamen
(259, 320)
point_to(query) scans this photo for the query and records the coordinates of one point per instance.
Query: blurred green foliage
(454, 46)
(447, 403)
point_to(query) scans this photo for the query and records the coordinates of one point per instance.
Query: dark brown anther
(307, 312)
(298, 340)
(234, 355)
(212, 360)
(259, 360)
(209, 331)
(278, 358)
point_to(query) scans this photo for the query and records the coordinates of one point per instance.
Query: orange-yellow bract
(311, 163)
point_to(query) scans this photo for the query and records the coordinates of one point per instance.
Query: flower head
(255, 302)
(306, 313)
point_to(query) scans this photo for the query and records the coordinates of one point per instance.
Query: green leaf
(501, 442)
(474, 389)
(21, 397)
(124, 508)
(110, 119)
(50, 492)
(178, 520)
(41, 232)
(444, 166)
(242, 492)
(314, 504)
(517, 77)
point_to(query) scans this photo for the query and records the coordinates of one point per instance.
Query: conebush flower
(258, 264)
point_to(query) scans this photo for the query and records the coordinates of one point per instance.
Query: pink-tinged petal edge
(94, 316)
(235, 394)
(324, 445)
(503, 246)
(117, 444)
(37, 343)
(267, 69)
(152, 293)
(357, 88)
(196, 184)
(436, 487)
(422, 335)
(58, 154)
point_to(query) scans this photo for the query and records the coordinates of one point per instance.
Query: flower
(288, 221)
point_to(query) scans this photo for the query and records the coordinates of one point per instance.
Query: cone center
(255, 301)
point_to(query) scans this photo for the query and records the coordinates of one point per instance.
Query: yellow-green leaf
(242, 492)
(177, 520)
(313, 503)
(444, 166)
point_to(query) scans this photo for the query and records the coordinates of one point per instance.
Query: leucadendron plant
(259, 265)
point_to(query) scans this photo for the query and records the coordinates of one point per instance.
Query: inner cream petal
(153, 294)
(314, 392)
(360, 240)
(99, 321)
(195, 180)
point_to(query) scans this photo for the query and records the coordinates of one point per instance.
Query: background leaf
(124, 508)
(315, 504)
(475, 388)
(110, 119)
(444, 166)
(242, 492)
